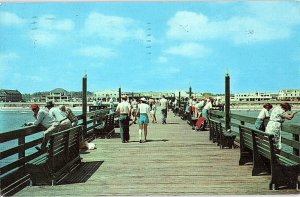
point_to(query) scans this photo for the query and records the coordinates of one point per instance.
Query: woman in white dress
(264, 113)
(278, 116)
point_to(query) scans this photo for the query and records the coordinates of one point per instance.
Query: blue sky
(150, 46)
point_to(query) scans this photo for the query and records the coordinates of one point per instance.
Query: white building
(252, 96)
(56, 95)
(289, 95)
(107, 94)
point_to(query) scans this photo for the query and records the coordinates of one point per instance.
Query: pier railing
(289, 137)
(18, 148)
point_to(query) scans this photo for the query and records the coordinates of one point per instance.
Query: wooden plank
(15, 134)
(243, 118)
(291, 128)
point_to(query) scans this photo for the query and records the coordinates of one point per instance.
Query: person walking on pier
(143, 120)
(42, 117)
(134, 106)
(264, 113)
(278, 116)
(153, 112)
(59, 115)
(124, 109)
(111, 106)
(164, 109)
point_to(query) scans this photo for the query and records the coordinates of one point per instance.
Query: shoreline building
(252, 96)
(289, 95)
(10, 96)
(56, 95)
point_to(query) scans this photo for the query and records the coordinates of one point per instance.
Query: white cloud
(261, 22)
(162, 60)
(97, 52)
(50, 22)
(8, 19)
(114, 28)
(47, 30)
(44, 38)
(8, 56)
(187, 25)
(189, 50)
(5, 59)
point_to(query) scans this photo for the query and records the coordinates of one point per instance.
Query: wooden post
(119, 95)
(179, 99)
(295, 150)
(84, 104)
(227, 101)
(21, 142)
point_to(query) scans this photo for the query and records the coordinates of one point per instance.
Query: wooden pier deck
(175, 161)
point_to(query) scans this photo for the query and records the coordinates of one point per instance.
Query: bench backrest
(64, 147)
(110, 121)
(263, 143)
(245, 137)
(216, 126)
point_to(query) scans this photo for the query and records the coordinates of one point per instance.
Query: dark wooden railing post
(21, 142)
(227, 101)
(119, 94)
(84, 104)
(179, 99)
(295, 150)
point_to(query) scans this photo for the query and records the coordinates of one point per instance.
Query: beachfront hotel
(253, 96)
(289, 95)
(10, 96)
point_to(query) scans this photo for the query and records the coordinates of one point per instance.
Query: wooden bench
(14, 175)
(284, 172)
(12, 184)
(107, 129)
(223, 138)
(61, 158)
(246, 146)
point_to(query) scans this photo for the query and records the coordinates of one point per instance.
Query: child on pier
(264, 113)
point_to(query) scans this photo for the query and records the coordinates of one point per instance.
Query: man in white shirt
(124, 109)
(42, 117)
(59, 116)
(164, 109)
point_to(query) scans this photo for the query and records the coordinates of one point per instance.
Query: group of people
(199, 108)
(139, 112)
(278, 115)
(53, 119)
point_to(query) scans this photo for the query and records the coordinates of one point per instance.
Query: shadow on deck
(83, 174)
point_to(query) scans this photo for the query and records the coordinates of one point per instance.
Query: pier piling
(227, 101)
(84, 103)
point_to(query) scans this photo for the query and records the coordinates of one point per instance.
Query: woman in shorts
(143, 120)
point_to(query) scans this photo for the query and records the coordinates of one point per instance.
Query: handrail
(286, 127)
(21, 146)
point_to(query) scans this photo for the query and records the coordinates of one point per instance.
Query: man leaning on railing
(42, 117)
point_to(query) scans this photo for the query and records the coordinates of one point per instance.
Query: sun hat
(143, 99)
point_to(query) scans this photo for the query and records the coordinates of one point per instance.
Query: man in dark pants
(124, 109)
(164, 109)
